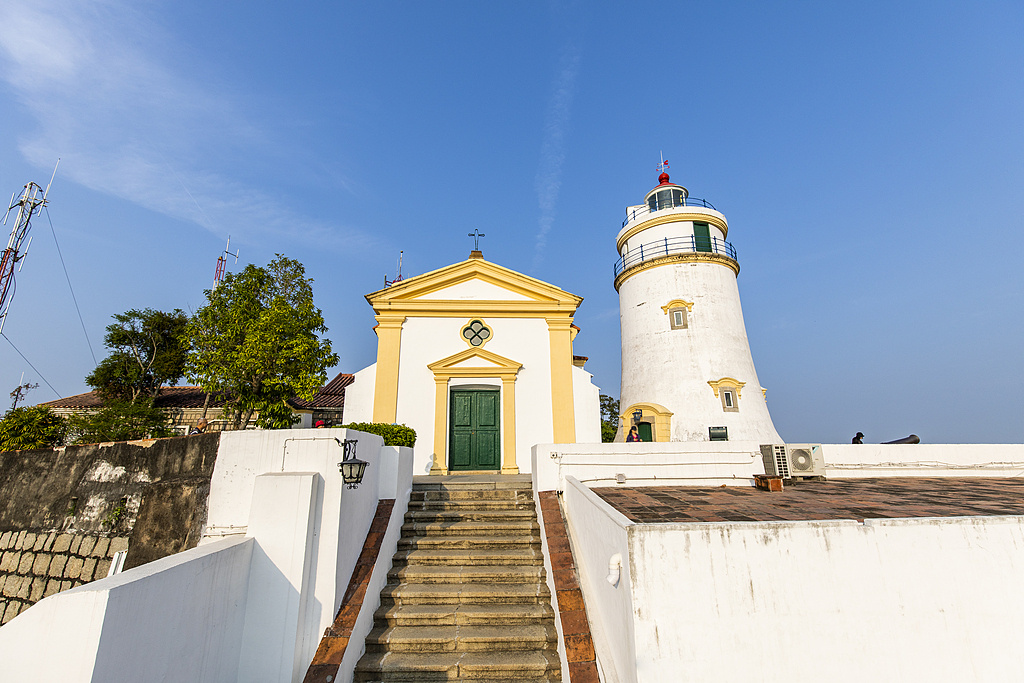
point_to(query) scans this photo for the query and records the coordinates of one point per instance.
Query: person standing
(634, 434)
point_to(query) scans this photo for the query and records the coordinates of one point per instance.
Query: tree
(120, 421)
(609, 418)
(256, 341)
(33, 427)
(147, 353)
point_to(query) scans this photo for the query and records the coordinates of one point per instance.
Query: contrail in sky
(552, 152)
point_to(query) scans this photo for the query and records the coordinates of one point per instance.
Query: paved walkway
(819, 500)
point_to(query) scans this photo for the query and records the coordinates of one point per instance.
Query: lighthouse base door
(474, 441)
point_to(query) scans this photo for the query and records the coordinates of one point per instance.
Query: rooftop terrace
(859, 499)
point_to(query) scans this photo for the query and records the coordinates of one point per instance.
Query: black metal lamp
(638, 414)
(351, 467)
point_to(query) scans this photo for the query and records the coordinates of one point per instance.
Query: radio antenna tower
(398, 278)
(222, 262)
(31, 202)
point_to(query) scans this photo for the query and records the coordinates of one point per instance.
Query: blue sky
(869, 158)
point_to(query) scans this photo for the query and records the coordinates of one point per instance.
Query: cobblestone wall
(65, 512)
(34, 566)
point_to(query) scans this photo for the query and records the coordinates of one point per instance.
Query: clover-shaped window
(476, 333)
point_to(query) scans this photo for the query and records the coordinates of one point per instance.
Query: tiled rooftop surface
(821, 500)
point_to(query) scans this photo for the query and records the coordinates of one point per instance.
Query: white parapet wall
(179, 618)
(692, 463)
(894, 600)
(844, 461)
(251, 602)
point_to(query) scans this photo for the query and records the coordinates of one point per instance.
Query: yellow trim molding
(677, 303)
(385, 388)
(563, 411)
(658, 415)
(730, 383)
(495, 366)
(681, 217)
(671, 259)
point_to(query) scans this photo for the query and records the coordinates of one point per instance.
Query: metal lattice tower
(31, 202)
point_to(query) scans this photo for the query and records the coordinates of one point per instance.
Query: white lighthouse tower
(687, 373)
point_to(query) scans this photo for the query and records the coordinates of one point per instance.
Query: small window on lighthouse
(677, 316)
(729, 401)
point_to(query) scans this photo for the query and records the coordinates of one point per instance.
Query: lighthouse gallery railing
(673, 245)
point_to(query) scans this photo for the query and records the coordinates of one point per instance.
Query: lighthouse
(687, 372)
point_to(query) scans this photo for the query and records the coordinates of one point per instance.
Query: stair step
(470, 528)
(474, 504)
(458, 638)
(468, 515)
(468, 542)
(493, 574)
(434, 556)
(471, 494)
(425, 615)
(471, 593)
(451, 666)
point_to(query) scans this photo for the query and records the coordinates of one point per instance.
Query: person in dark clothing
(859, 438)
(200, 427)
(633, 435)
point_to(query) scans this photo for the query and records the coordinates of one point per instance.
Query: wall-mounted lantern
(638, 414)
(351, 467)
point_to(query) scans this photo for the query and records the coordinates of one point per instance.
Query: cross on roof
(476, 235)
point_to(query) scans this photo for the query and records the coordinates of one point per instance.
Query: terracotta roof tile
(332, 395)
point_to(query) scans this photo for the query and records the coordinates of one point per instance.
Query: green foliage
(256, 340)
(146, 353)
(393, 435)
(120, 421)
(33, 427)
(609, 418)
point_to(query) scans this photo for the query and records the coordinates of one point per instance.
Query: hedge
(393, 435)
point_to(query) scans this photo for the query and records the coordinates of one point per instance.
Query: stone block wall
(34, 566)
(65, 512)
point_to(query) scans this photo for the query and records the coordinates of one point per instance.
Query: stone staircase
(466, 598)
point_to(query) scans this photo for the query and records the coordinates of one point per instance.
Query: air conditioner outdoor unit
(792, 461)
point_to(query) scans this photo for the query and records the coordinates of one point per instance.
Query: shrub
(120, 421)
(393, 435)
(34, 427)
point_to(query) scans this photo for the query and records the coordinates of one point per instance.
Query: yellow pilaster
(563, 411)
(385, 389)
(440, 465)
(508, 427)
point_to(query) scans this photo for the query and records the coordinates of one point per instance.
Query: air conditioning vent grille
(781, 462)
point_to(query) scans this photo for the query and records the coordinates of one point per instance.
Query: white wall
(237, 607)
(178, 619)
(892, 600)
(709, 463)
(399, 488)
(598, 533)
(844, 461)
(345, 514)
(587, 402)
(359, 396)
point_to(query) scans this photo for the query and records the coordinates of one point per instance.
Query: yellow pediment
(472, 362)
(474, 286)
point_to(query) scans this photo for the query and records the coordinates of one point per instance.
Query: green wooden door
(475, 435)
(701, 237)
(645, 431)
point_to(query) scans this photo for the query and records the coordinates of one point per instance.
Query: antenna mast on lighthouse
(222, 262)
(31, 202)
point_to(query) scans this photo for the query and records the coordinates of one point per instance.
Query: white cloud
(126, 123)
(552, 152)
